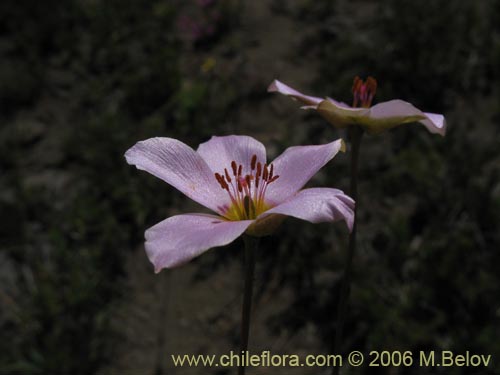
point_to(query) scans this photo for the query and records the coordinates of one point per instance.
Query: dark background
(82, 80)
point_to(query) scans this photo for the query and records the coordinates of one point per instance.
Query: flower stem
(356, 135)
(251, 245)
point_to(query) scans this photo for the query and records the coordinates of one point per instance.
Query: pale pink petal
(337, 103)
(219, 152)
(317, 205)
(435, 123)
(180, 238)
(389, 114)
(341, 115)
(180, 166)
(277, 86)
(296, 166)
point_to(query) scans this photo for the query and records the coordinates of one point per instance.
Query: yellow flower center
(247, 193)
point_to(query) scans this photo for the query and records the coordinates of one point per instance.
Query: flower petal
(180, 238)
(340, 115)
(340, 104)
(296, 166)
(382, 116)
(389, 114)
(219, 152)
(277, 86)
(317, 205)
(180, 166)
(435, 123)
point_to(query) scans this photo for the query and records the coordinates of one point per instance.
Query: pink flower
(230, 176)
(381, 116)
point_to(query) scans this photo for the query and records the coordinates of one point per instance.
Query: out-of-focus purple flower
(381, 116)
(230, 176)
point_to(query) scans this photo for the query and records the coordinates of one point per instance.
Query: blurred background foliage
(83, 80)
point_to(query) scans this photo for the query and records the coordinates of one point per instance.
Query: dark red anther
(254, 160)
(224, 183)
(257, 174)
(248, 179)
(218, 178)
(239, 170)
(271, 172)
(221, 181)
(371, 86)
(265, 173)
(233, 166)
(363, 91)
(357, 82)
(228, 178)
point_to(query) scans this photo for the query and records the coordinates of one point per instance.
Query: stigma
(363, 91)
(246, 192)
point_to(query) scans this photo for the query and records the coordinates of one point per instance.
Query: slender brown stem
(251, 245)
(356, 135)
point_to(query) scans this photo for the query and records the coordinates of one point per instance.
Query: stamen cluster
(363, 91)
(246, 192)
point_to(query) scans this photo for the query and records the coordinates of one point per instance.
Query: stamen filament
(247, 198)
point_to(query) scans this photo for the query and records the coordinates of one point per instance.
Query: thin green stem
(251, 245)
(356, 135)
